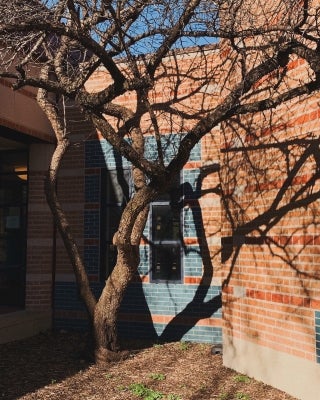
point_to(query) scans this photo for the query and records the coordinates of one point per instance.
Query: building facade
(230, 255)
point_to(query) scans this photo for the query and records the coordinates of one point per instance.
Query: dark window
(116, 190)
(165, 223)
(13, 217)
(166, 236)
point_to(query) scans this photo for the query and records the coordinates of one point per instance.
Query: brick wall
(39, 233)
(270, 236)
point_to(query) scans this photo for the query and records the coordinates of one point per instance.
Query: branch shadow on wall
(199, 307)
(260, 226)
(270, 192)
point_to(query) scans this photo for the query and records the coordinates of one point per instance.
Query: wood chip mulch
(52, 366)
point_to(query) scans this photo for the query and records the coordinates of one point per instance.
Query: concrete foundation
(22, 324)
(294, 375)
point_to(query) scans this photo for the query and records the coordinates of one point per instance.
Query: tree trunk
(127, 240)
(107, 308)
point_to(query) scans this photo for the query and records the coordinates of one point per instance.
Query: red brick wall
(39, 233)
(271, 227)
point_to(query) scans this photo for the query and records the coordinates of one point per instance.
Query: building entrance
(13, 218)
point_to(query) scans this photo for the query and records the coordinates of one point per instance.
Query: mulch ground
(53, 366)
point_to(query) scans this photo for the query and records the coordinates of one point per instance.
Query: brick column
(39, 233)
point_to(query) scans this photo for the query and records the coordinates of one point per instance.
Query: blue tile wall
(168, 298)
(143, 299)
(170, 144)
(91, 224)
(185, 301)
(91, 259)
(99, 153)
(144, 266)
(192, 261)
(92, 188)
(67, 297)
(191, 217)
(192, 190)
(94, 156)
(200, 334)
(195, 154)
(317, 332)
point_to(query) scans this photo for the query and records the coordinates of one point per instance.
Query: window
(116, 190)
(165, 235)
(165, 226)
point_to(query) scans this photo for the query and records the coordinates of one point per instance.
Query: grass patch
(242, 378)
(157, 377)
(242, 396)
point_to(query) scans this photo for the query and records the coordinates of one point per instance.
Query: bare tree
(144, 49)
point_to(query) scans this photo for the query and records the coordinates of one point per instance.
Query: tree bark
(127, 240)
(107, 308)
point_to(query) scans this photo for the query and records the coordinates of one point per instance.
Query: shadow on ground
(39, 361)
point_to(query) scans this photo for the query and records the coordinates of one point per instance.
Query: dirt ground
(54, 366)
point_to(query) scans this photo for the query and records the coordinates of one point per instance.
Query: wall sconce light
(21, 171)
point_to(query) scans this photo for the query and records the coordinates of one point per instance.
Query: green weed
(157, 377)
(242, 396)
(146, 393)
(242, 378)
(173, 397)
(184, 345)
(203, 387)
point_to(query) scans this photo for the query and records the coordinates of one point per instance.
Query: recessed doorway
(13, 223)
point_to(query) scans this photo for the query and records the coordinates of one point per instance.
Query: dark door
(13, 210)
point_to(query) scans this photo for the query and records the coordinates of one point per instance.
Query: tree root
(105, 356)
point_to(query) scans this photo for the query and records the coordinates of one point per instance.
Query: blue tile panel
(91, 224)
(200, 334)
(170, 144)
(317, 331)
(191, 183)
(92, 188)
(91, 259)
(144, 267)
(187, 303)
(160, 298)
(192, 261)
(169, 298)
(100, 154)
(66, 297)
(192, 222)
